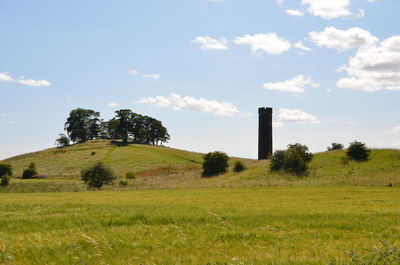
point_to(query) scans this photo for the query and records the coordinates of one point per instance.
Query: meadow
(169, 214)
(284, 225)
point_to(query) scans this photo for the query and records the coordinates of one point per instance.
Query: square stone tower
(264, 133)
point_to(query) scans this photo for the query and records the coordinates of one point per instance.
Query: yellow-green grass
(161, 167)
(283, 225)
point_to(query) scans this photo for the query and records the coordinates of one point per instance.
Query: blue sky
(329, 69)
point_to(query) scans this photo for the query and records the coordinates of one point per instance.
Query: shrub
(294, 160)
(335, 146)
(130, 175)
(97, 175)
(29, 172)
(5, 180)
(123, 183)
(215, 163)
(62, 140)
(358, 151)
(5, 169)
(239, 166)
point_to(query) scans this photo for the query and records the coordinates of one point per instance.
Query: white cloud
(3, 115)
(295, 85)
(34, 83)
(112, 104)
(11, 122)
(178, 103)
(152, 76)
(6, 77)
(208, 43)
(301, 46)
(134, 72)
(294, 12)
(328, 9)
(269, 43)
(28, 82)
(296, 115)
(396, 129)
(343, 39)
(374, 68)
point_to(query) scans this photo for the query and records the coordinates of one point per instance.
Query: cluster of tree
(357, 151)
(85, 124)
(294, 159)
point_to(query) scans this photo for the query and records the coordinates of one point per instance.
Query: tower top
(265, 110)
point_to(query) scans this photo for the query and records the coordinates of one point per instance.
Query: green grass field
(169, 214)
(285, 225)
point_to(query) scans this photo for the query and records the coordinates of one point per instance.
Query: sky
(329, 69)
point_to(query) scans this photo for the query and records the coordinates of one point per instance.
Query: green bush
(239, 166)
(130, 175)
(5, 180)
(215, 163)
(294, 160)
(358, 151)
(5, 169)
(29, 172)
(335, 146)
(97, 175)
(123, 183)
(62, 140)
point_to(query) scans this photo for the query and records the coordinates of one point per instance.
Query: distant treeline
(85, 124)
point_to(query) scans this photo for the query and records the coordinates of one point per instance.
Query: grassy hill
(163, 167)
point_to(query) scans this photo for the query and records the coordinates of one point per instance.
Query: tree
(82, 125)
(124, 126)
(5, 169)
(215, 163)
(5, 173)
(294, 159)
(62, 140)
(97, 175)
(335, 146)
(358, 151)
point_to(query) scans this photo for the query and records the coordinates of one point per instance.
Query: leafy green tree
(97, 175)
(124, 118)
(5, 169)
(82, 125)
(215, 163)
(4, 180)
(294, 159)
(62, 140)
(358, 151)
(335, 146)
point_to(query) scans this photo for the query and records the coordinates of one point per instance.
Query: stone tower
(264, 133)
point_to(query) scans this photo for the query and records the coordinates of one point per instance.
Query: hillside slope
(163, 167)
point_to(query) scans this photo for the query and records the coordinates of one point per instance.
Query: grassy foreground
(285, 225)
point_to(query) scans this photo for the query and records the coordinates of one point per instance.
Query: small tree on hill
(62, 140)
(97, 175)
(5, 173)
(358, 151)
(5, 169)
(335, 146)
(294, 160)
(215, 163)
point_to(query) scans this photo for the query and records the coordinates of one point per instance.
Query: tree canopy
(85, 124)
